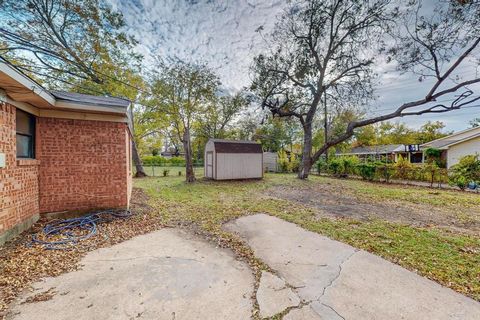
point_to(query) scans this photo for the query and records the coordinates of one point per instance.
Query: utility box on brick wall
(2, 160)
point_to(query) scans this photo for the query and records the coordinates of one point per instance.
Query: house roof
(380, 149)
(21, 88)
(90, 99)
(236, 146)
(453, 139)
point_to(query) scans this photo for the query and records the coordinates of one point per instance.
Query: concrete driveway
(167, 274)
(336, 281)
(170, 274)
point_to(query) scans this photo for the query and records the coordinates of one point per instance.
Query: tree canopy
(322, 51)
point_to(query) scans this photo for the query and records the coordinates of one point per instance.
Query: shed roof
(236, 146)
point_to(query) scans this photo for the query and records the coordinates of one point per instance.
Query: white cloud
(222, 34)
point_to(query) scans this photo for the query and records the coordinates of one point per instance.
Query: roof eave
(21, 88)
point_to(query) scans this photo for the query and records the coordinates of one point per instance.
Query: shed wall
(238, 166)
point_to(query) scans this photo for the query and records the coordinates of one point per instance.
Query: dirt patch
(337, 201)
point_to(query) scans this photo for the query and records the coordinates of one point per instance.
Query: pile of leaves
(23, 263)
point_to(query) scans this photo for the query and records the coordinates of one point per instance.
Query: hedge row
(161, 161)
(403, 170)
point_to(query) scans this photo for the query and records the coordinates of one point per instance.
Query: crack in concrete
(145, 257)
(337, 275)
(331, 308)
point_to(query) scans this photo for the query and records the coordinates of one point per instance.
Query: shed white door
(209, 164)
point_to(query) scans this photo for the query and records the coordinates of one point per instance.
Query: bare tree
(319, 45)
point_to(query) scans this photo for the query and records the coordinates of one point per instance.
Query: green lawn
(450, 258)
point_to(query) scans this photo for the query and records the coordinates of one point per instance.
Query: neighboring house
(59, 152)
(457, 145)
(389, 151)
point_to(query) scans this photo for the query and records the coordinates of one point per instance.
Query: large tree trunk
(187, 146)
(306, 163)
(140, 172)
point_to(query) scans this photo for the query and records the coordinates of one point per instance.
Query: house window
(416, 157)
(25, 135)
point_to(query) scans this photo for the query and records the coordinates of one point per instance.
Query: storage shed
(230, 160)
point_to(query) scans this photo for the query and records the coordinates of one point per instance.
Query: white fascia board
(89, 107)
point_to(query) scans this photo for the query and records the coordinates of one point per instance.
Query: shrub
(430, 172)
(403, 168)
(154, 160)
(322, 165)
(467, 170)
(177, 161)
(294, 164)
(343, 166)
(286, 163)
(283, 161)
(335, 166)
(367, 171)
(350, 164)
(385, 171)
(459, 181)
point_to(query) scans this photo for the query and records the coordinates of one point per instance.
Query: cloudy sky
(223, 34)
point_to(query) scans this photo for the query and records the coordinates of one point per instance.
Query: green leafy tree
(219, 115)
(431, 131)
(183, 91)
(275, 135)
(78, 46)
(317, 48)
(69, 38)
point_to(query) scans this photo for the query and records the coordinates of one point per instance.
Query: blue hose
(65, 229)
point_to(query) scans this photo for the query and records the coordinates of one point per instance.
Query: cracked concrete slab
(341, 282)
(274, 296)
(167, 274)
(304, 313)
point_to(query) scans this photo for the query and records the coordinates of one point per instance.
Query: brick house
(59, 152)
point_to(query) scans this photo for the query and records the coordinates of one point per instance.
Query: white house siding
(460, 150)
(239, 166)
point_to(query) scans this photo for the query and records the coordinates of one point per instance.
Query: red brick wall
(18, 180)
(83, 164)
